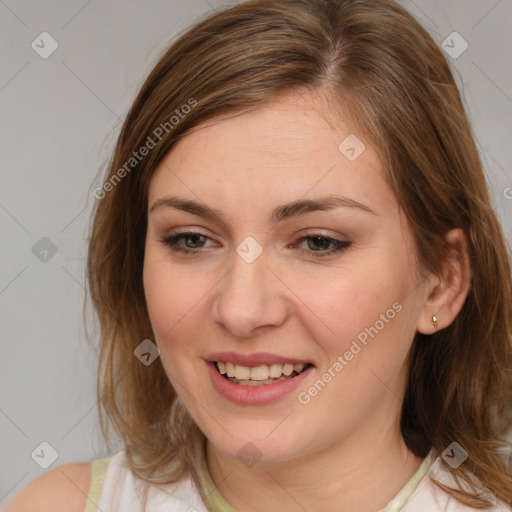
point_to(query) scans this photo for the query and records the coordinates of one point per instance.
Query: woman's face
(263, 285)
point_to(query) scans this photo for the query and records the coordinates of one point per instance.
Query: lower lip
(254, 395)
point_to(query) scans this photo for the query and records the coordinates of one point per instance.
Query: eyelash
(172, 240)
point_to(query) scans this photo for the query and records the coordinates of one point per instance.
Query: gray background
(60, 117)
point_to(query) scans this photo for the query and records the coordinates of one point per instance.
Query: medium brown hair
(395, 85)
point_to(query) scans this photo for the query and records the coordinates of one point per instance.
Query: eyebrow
(280, 213)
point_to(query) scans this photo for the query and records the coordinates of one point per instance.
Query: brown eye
(192, 240)
(317, 245)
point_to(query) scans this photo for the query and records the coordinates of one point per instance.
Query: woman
(303, 291)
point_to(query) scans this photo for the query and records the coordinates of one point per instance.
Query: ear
(447, 289)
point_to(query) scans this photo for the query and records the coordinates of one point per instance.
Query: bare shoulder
(63, 488)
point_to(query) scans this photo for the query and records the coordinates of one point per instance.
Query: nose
(249, 298)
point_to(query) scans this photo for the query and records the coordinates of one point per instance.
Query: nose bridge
(247, 296)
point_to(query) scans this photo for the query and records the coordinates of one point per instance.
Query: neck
(363, 472)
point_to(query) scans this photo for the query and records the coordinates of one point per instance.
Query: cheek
(173, 298)
(356, 299)
(366, 315)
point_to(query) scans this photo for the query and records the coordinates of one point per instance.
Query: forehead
(284, 150)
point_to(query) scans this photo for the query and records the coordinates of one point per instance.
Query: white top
(123, 492)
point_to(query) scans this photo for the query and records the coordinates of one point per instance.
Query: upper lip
(256, 359)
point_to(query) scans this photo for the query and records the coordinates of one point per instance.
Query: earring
(434, 320)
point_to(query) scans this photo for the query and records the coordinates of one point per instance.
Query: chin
(254, 447)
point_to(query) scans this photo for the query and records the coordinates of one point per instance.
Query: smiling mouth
(261, 375)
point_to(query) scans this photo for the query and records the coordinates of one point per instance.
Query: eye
(195, 239)
(194, 244)
(318, 243)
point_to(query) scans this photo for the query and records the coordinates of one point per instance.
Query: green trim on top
(405, 493)
(216, 502)
(98, 471)
(214, 499)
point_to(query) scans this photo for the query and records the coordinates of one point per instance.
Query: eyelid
(311, 232)
(323, 232)
(172, 238)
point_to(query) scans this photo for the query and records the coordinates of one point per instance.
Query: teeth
(288, 369)
(259, 373)
(230, 369)
(276, 370)
(242, 372)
